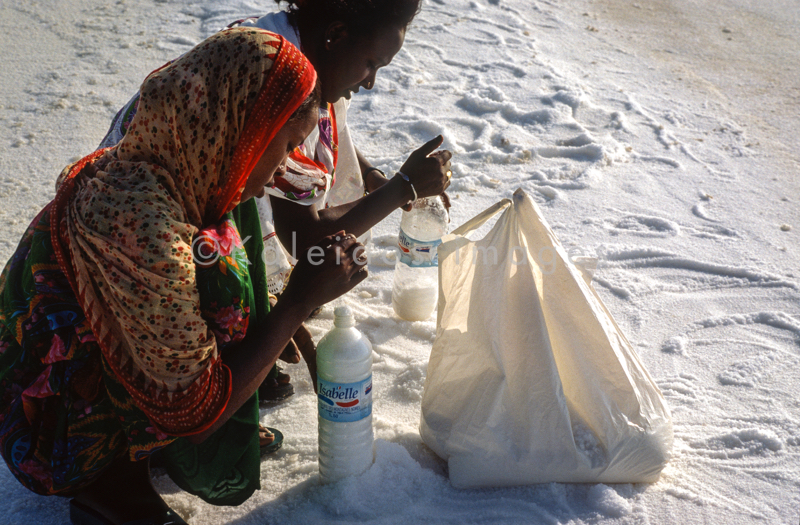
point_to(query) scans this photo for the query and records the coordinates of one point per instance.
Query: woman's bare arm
(317, 280)
(298, 226)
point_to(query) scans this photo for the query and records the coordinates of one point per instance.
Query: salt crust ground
(658, 136)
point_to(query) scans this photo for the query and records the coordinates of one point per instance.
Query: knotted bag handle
(480, 219)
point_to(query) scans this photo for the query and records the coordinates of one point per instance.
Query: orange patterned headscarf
(124, 236)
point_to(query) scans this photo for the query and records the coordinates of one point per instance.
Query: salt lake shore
(659, 137)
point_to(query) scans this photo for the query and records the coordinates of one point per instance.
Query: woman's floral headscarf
(124, 236)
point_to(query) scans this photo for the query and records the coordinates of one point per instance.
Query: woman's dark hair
(312, 103)
(360, 16)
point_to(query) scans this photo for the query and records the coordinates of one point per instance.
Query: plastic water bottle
(415, 289)
(344, 386)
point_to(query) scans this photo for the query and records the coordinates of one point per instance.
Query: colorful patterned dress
(126, 292)
(64, 415)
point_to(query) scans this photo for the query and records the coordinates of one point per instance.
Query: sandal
(80, 514)
(276, 387)
(273, 445)
(282, 379)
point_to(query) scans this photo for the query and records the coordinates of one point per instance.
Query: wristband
(413, 189)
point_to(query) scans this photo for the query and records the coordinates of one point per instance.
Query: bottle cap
(343, 317)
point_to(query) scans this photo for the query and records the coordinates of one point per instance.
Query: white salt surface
(659, 136)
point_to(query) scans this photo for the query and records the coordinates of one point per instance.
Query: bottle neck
(344, 322)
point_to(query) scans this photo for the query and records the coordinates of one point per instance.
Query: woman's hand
(331, 268)
(429, 170)
(290, 354)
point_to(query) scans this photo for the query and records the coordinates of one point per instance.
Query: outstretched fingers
(427, 148)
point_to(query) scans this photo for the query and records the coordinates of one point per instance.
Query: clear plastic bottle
(344, 381)
(415, 288)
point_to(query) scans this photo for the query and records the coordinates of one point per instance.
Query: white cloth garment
(349, 184)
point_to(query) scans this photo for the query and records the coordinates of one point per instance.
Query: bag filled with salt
(530, 380)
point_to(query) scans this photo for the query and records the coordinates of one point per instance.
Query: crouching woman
(134, 315)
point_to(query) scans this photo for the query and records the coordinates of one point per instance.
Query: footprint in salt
(739, 443)
(679, 274)
(644, 226)
(681, 388)
(713, 230)
(585, 153)
(479, 102)
(747, 372)
(566, 177)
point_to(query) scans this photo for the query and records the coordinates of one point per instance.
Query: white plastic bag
(530, 380)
